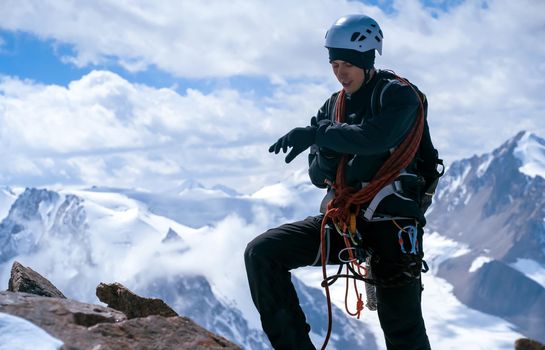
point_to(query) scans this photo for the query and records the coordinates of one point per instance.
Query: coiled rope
(345, 205)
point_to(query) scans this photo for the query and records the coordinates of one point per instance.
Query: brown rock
(24, 279)
(120, 298)
(56, 311)
(157, 332)
(92, 327)
(528, 344)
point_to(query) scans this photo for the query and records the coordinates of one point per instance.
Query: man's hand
(299, 139)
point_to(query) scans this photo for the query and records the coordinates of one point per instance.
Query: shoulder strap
(384, 80)
(331, 103)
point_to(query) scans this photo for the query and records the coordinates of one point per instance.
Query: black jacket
(366, 138)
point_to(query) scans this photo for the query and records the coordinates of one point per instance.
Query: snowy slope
(201, 273)
(530, 151)
(20, 334)
(7, 197)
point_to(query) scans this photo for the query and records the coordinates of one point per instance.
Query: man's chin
(350, 89)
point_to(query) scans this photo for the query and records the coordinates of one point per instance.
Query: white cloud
(187, 38)
(104, 130)
(480, 63)
(60, 119)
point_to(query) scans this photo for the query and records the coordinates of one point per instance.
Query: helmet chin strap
(368, 75)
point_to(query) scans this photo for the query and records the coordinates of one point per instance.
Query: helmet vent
(362, 38)
(354, 36)
(373, 25)
(380, 32)
(377, 38)
(368, 31)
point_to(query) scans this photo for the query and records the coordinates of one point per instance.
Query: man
(357, 135)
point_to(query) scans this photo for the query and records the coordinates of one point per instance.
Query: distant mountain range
(82, 237)
(485, 237)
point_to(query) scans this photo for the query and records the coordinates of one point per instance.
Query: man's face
(350, 76)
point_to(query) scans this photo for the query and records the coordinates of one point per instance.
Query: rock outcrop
(57, 313)
(528, 344)
(118, 297)
(24, 279)
(151, 325)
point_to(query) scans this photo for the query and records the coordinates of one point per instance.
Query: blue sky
(29, 55)
(119, 94)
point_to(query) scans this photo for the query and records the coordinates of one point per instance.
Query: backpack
(427, 165)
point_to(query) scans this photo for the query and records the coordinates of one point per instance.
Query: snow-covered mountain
(82, 237)
(7, 197)
(186, 247)
(494, 204)
(40, 219)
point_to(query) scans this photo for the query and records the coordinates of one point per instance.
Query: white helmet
(355, 32)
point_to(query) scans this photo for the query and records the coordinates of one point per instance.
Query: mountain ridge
(492, 205)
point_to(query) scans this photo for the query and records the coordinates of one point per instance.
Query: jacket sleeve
(379, 133)
(322, 163)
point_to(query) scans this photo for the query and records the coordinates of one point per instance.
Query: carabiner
(412, 232)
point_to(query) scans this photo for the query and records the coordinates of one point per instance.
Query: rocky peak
(24, 279)
(33, 204)
(494, 204)
(489, 196)
(38, 215)
(172, 236)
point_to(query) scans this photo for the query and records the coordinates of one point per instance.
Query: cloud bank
(481, 64)
(104, 130)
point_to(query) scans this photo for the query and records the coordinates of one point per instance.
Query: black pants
(270, 257)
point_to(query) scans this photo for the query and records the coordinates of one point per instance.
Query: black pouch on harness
(412, 186)
(430, 168)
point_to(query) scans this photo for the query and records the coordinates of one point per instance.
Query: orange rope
(347, 200)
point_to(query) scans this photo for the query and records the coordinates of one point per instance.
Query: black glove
(299, 139)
